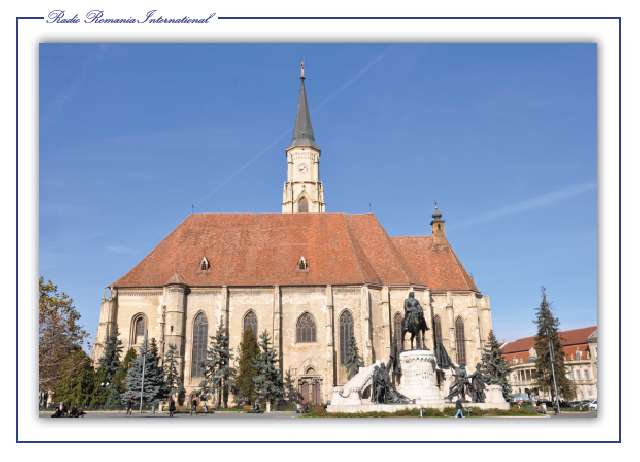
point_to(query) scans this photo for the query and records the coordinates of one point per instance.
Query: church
(309, 277)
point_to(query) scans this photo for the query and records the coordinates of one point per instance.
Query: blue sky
(502, 135)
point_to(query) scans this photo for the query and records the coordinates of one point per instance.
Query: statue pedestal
(418, 380)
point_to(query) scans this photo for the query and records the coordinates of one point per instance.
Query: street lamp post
(144, 363)
(554, 376)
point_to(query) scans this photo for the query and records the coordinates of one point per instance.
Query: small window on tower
(439, 226)
(303, 205)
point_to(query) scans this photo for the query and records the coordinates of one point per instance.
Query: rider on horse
(413, 320)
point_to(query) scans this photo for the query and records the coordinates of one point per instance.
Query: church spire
(302, 129)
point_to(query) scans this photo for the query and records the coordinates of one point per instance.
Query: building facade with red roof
(580, 347)
(308, 277)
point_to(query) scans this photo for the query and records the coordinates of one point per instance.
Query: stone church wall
(278, 310)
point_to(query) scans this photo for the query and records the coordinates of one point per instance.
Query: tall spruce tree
(291, 394)
(111, 358)
(172, 381)
(114, 398)
(249, 350)
(218, 374)
(268, 382)
(547, 331)
(354, 361)
(154, 388)
(80, 388)
(123, 370)
(494, 367)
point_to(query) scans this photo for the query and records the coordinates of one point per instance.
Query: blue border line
(415, 442)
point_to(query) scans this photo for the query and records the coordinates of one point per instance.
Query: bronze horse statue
(413, 322)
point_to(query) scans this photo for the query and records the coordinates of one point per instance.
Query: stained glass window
(200, 336)
(460, 341)
(303, 205)
(346, 330)
(251, 320)
(306, 329)
(140, 328)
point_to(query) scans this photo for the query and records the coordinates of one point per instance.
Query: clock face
(303, 168)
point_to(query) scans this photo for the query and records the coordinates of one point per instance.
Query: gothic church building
(308, 277)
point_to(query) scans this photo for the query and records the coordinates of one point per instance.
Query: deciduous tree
(59, 337)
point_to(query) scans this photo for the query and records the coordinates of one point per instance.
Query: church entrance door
(304, 392)
(316, 394)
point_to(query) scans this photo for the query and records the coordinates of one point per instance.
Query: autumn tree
(60, 337)
(547, 332)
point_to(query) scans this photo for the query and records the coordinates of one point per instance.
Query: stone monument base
(418, 381)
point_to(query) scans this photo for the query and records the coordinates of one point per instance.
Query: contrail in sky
(274, 142)
(327, 100)
(535, 203)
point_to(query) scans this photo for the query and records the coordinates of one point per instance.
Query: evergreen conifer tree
(172, 380)
(354, 361)
(291, 394)
(268, 382)
(111, 358)
(249, 351)
(547, 331)
(218, 375)
(81, 388)
(114, 398)
(153, 378)
(494, 367)
(123, 370)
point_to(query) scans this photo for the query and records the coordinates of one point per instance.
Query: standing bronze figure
(413, 322)
(457, 387)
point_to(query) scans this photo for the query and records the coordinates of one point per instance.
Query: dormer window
(204, 264)
(302, 264)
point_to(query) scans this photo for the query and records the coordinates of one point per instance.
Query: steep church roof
(264, 250)
(302, 129)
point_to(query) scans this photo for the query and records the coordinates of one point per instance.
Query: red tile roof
(264, 249)
(571, 339)
(437, 265)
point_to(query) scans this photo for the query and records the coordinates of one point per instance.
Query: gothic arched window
(346, 330)
(303, 205)
(306, 329)
(460, 341)
(200, 336)
(140, 327)
(437, 329)
(251, 321)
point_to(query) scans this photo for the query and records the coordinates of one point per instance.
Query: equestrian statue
(413, 322)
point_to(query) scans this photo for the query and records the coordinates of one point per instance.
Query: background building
(581, 349)
(307, 277)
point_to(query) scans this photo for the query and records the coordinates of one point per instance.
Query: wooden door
(316, 394)
(304, 392)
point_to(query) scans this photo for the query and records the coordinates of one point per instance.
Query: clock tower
(303, 191)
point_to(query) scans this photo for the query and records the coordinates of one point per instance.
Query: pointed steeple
(302, 129)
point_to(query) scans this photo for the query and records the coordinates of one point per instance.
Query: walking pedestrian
(194, 407)
(459, 408)
(128, 406)
(172, 407)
